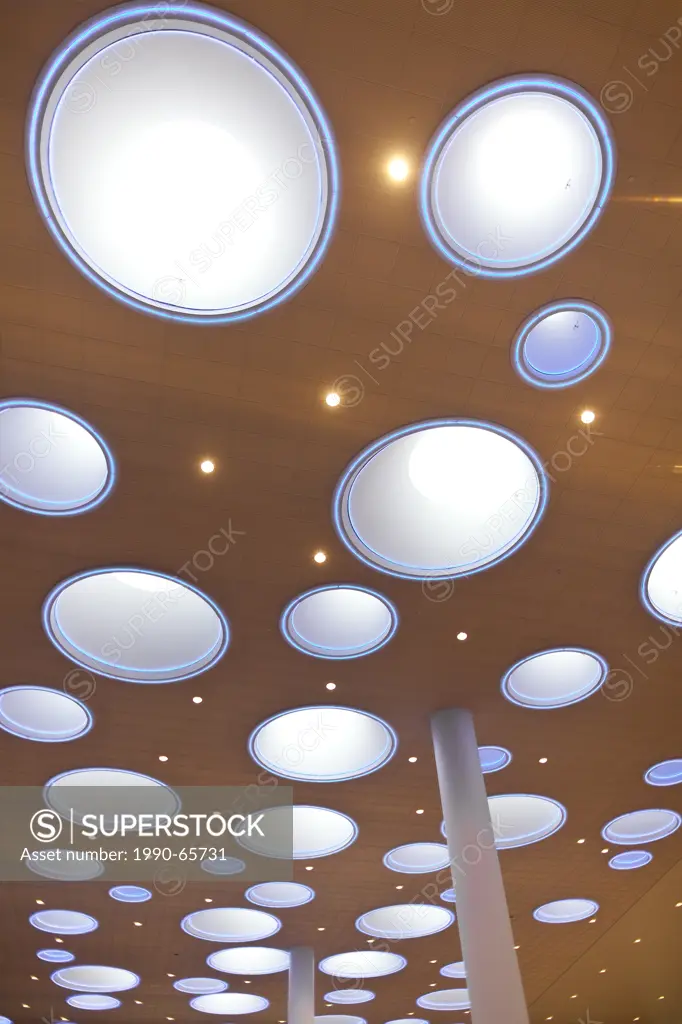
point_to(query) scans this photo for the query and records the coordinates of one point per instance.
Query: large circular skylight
(362, 963)
(630, 860)
(224, 866)
(666, 773)
(417, 858)
(64, 870)
(63, 922)
(554, 679)
(520, 818)
(323, 744)
(493, 759)
(230, 924)
(445, 999)
(43, 714)
(339, 622)
(108, 792)
(130, 894)
(227, 1003)
(280, 894)
(53, 462)
(91, 1001)
(661, 587)
(134, 625)
(317, 832)
(349, 996)
(516, 176)
(454, 970)
(641, 827)
(565, 911)
(440, 499)
(86, 978)
(405, 921)
(200, 986)
(55, 956)
(561, 344)
(249, 960)
(224, 132)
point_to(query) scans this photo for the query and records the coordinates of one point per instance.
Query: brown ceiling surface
(251, 396)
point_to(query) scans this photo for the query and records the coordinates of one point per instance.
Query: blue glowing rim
(84, 1001)
(665, 780)
(23, 403)
(505, 87)
(508, 695)
(279, 906)
(51, 599)
(630, 860)
(87, 931)
(345, 484)
(223, 938)
(84, 992)
(505, 759)
(642, 839)
(347, 977)
(51, 739)
(643, 587)
(401, 935)
(139, 775)
(530, 837)
(537, 913)
(289, 634)
(426, 870)
(129, 14)
(141, 895)
(539, 380)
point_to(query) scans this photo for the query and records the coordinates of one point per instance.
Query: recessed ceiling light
(319, 557)
(593, 920)
(333, 399)
(208, 899)
(138, 924)
(543, 760)
(638, 940)
(661, 997)
(549, 1018)
(433, 961)
(517, 947)
(462, 636)
(33, 977)
(399, 887)
(246, 981)
(581, 840)
(59, 940)
(207, 466)
(138, 1002)
(587, 416)
(412, 760)
(370, 940)
(420, 811)
(398, 168)
(41, 903)
(603, 970)
(197, 700)
(432, 985)
(605, 850)
(26, 1006)
(320, 929)
(574, 996)
(331, 686)
(170, 975)
(162, 757)
(678, 904)
(309, 867)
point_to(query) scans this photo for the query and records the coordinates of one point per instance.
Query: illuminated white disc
(565, 911)
(223, 866)
(65, 870)
(42, 714)
(405, 921)
(630, 860)
(200, 986)
(639, 827)
(362, 963)
(227, 1003)
(521, 818)
(249, 960)
(92, 1001)
(230, 924)
(440, 499)
(280, 894)
(349, 996)
(493, 759)
(84, 978)
(317, 832)
(55, 956)
(63, 922)
(130, 894)
(445, 999)
(417, 858)
(454, 970)
(661, 588)
(554, 679)
(339, 622)
(666, 773)
(407, 1020)
(213, 195)
(339, 1018)
(107, 792)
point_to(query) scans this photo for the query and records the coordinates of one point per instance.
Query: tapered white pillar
(301, 986)
(492, 969)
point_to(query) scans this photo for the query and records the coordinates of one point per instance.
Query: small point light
(207, 899)
(517, 947)
(587, 416)
(603, 970)
(462, 636)
(370, 941)
(398, 168)
(138, 924)
(332, 399)
(138, 1002)
(581, 841)
(170, 975)
(320, 929)
(331, 686)
(26, 1006)
(678, 904)
(549, 1018)
(246, 981)
(574, 996)
(162, 757)
(593, 920)
(41, 903)
(419, 811)
(605, 850)
(327, 1004)
(207, 466)
(399, 886)
(59, 940)
(412, 760)
(433, 961)
(33, 977)
(661, 997)
(319, 557)
(543, 760)
(432, 985)
(197, 700)
(638, 940)
(309, 867)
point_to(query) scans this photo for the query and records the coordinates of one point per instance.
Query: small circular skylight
(223, 866)
(565, 911)
(520, 818)
(130, 894)
(53, 463)
(349, 996)
(249, 960)
(405, 921)
(224, 131)
(666, 773)
(454, 970)
(661, 587)
(417, 858)
(493, 759)
(55, 956)
(445, 999)
(280, 894)
(200, 986)
(65, 870)
(339, 1018)
(440, 499)
(448, 896)
(85, 978)
(641, 827)
(339, 622)
(516, 176)
(40, 713)
(91, 1001)
(230, 924)
(227, 1003)
(63, 922)
(323, 744)
(630, 860)
(554, 679)
(317, 832)
(407, 1020)
(134, 625)
(561, 344)
(108, 792)
(363, 963)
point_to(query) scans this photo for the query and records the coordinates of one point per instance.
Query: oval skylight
(346, 997)
(661, 587)
(225, 131)
(339, 622)
(86, 978)
(130, 894)
(317, 832)
(405, 921)
(362, 963)
(43, 714)
(407, 1020)
(53, 462)
(230, 924)
(565, 911)
(440, 499)
(630, 860)
(108, 792)
(417, 858)
(665, 773)
(223, 866)
(516, 176)
(230, 1002)
(323, 744)
(135, 625)
(55, 956)
(493, 759)
(200, 986)
(339, 1018)
(641, 827)
(63, 922)
(249, 960)
(561, 344)
(555, 678)
(448, 896)
(91, 1001)
(454, 970)
(445, 999)
(65, 870)
(521, 818)
(280, 894)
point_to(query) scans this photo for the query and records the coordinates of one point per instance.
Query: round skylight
(40, 713)
(130, 894)
(53, 463)
(230, 924)
(227, 1003)
(200, 986)
(448, 896)
(5, 1020)
(134, 625)
(661, 583)
(339, 1018)
(65, 870)
(317, 832)
(407, 1020)
(249, 960)
(108, 792)
(224, 131)
(63, 922)
(666, 773)
(561, 344)
(405, 921)
(516, 176)
(565, 911)
(630, 860)
(348, 996)
(493, 759)
(417, 858)
(520, 818)
(339, 622)
(223, 866)
(323, 744)
(85, 978)
(440, 499)
(445, 999)
(363, 963)
(641, 827)
(280, 894)
(55, 956)
(91, 1001)
(554, 679)
(454, 970)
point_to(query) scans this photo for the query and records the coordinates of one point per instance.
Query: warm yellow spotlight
(398, 168)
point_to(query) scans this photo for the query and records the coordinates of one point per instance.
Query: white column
(492, 969)
(301, 986)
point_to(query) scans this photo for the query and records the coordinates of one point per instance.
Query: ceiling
(251, 396)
